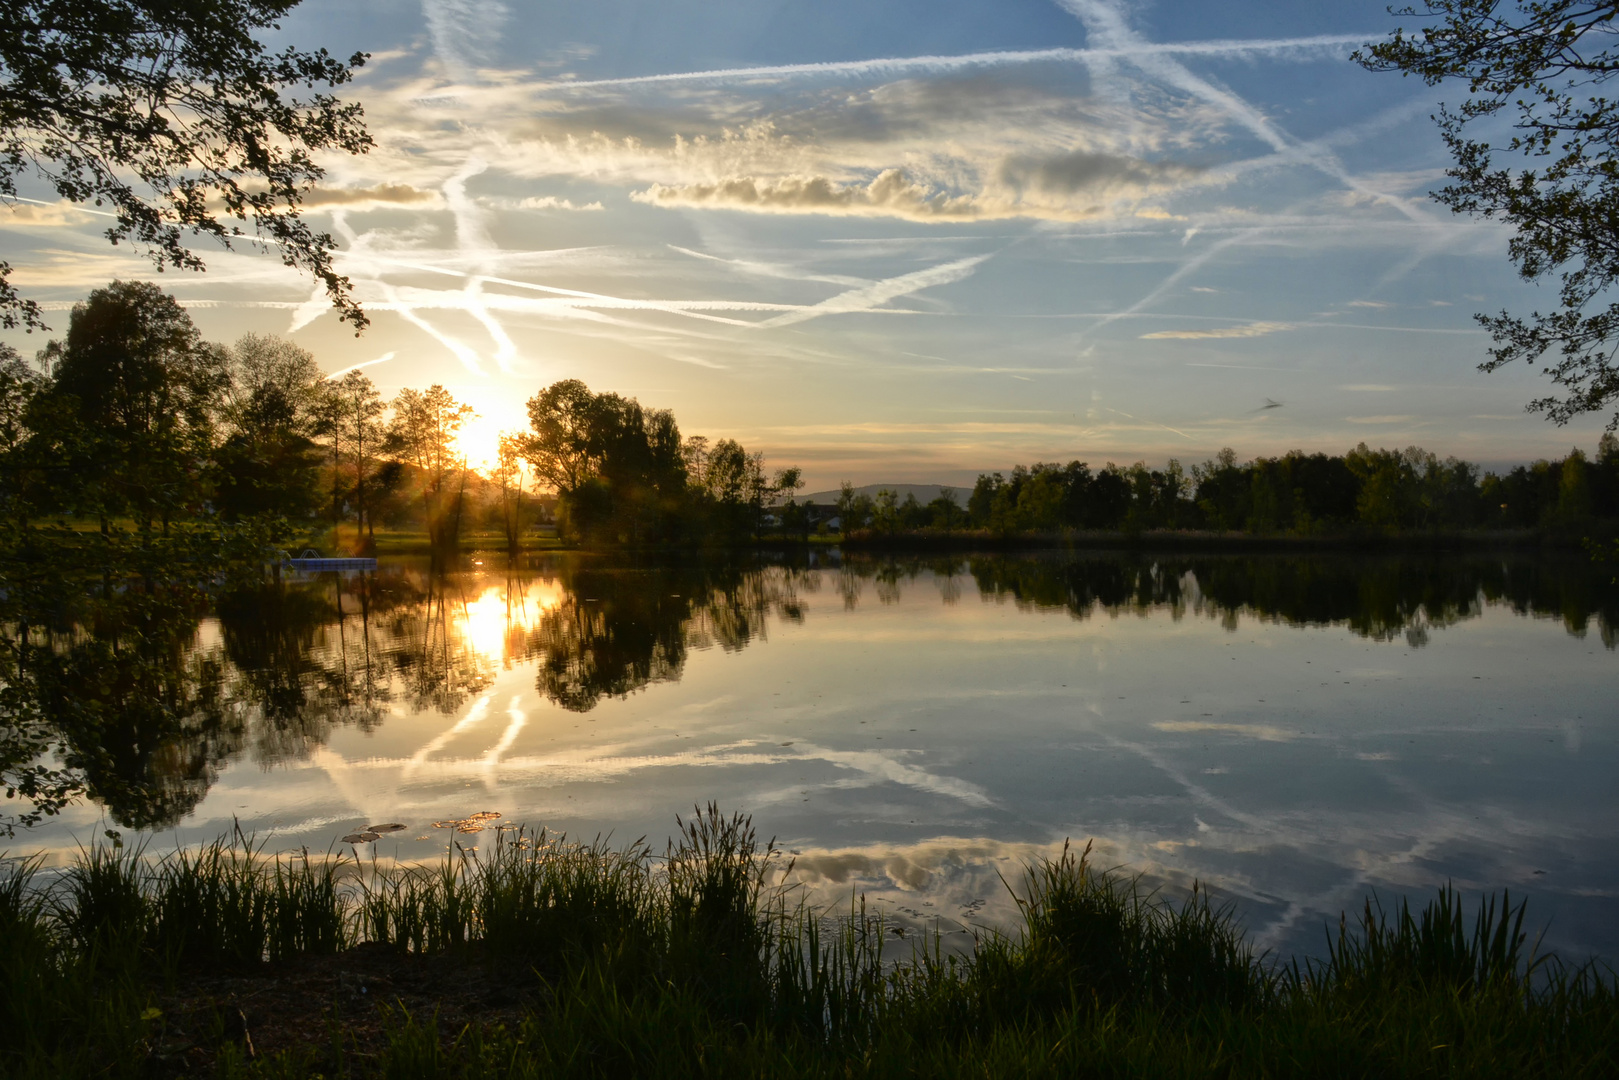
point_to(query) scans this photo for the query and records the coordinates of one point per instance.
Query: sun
(479, 438)
(479, 441)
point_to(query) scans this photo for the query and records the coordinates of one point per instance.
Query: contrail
(1154, 423)
(867, 297)
(383, 359)
(1104, 20)
(900, 64)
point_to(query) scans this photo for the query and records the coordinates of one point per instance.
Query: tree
(509, 475)
(177, 117)
(356, 414)
(137, 389)
(1538, 62)
(271, 407)
(794, 517)
(423, 434)
(946, 511)
(19, 386)
(618, 468)
(563, 419)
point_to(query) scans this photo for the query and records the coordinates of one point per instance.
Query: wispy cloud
(891, 194)
(1262, 732)
(552, 202)
(378, 195)
(464, 32)
(1248, 330)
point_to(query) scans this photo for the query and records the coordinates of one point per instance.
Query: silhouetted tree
(137, 390)
(178, 117)
(1539, 63)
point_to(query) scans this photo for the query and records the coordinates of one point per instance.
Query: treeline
(134, 422)
(1365, 490)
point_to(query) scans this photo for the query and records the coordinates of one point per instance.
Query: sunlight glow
(491, 622)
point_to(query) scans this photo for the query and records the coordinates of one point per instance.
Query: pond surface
(1293, 732)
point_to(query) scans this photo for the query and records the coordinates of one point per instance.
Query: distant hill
(925, 493)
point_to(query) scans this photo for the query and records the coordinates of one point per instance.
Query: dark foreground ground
(553, 959)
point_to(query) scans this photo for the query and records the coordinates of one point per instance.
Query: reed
(701, 963)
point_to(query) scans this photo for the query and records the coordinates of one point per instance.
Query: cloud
(1262, 732)
(463, 31)
(1249, 330)
(551, 202)
(380, 194)
(1086, 173)
(891, 194)
(1367, 303)
(1068, 187)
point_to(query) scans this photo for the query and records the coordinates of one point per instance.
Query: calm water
(1293, 732)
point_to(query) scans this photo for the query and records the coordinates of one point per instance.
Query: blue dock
(313, 562)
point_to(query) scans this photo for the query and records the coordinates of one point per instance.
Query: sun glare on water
(500, 611)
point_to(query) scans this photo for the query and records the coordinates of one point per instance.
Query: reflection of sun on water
(488, 621)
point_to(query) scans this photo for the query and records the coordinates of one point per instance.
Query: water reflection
(149, 719)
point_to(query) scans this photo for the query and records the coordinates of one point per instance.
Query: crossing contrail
(895, 65)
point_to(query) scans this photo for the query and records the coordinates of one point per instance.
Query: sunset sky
(891, 241)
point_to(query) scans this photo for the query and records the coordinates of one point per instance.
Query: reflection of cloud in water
(514, 727)
(1263, 732)
(479, 710)
(589, 764)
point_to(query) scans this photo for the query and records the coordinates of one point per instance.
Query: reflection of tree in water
(140, 716)
(1378, 598)
(616, 631)
(426, 649)
(145, 706)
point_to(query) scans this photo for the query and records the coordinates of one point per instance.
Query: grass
(697, 962)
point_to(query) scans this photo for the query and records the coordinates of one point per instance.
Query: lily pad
(392, 826)
(485, 815)
(359, 838)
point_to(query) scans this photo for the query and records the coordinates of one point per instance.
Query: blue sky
(892, 241)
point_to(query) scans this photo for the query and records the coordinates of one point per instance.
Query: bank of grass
(697, 963)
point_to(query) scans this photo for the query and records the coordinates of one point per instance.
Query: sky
(890, 241)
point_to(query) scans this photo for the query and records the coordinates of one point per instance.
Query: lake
(1293, 732)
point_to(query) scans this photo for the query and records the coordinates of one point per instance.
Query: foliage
(351, 419)
(1365, 490)
(623, 474)
(179, 118)
(1535, 67)
(423, 434)
(267, 460)
(131, 404)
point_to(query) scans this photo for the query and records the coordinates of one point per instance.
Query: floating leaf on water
(485, 815)
(471, 826)
(446, 824)
(392, 826)
(359, 838)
